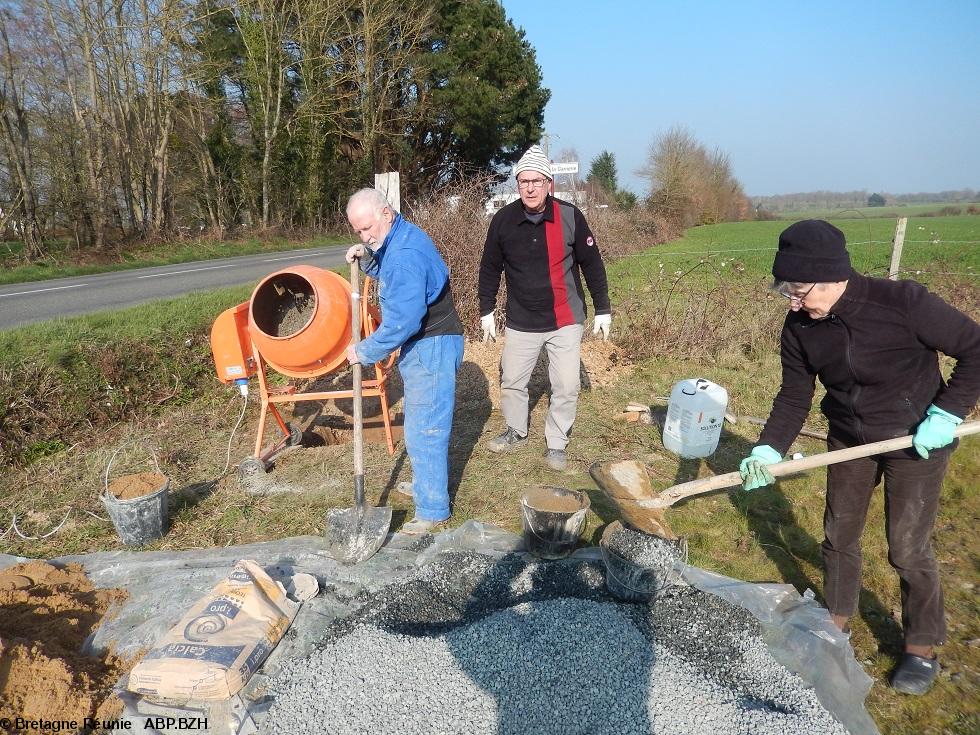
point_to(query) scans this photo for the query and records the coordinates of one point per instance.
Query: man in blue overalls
(418, 317)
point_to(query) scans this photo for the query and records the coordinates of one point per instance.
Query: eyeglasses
(531, 183)
(796, 300)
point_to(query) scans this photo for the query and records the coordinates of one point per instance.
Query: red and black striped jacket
(541, 263)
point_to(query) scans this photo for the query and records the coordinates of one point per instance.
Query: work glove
(488, 324)
(355, 251)
(602, 323)
(935, 431)
(753, 468)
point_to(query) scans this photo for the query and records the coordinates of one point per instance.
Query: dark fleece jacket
(877, 356)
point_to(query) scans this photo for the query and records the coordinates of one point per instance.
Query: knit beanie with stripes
(534, 160)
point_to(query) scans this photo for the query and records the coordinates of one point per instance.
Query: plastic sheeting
(163, 585)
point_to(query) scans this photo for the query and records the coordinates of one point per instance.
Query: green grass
(158, 322)
(934, 246)
(65, 261)
(896, 210)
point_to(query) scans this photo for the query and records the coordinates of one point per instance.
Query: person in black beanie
(874, 345)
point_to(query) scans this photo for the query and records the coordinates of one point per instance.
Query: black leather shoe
(915, 674)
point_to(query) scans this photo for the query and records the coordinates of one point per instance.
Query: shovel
(627, 484)
(355, 534)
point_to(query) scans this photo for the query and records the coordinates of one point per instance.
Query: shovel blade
(355, 534)
(626, 483)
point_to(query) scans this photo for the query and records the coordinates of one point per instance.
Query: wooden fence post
(389, 184)
(897, 248)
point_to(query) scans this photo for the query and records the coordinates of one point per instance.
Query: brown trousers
(912, 490)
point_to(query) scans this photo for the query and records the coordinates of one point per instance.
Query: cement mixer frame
(240, 345)
(287, 394)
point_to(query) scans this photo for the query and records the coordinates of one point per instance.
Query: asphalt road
(38, 301)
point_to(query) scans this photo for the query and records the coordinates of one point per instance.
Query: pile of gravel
(473, 645)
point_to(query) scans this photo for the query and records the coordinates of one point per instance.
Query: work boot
(418, 526)
(510, 439)
(915, 674)
(406, 488)
(556, 459)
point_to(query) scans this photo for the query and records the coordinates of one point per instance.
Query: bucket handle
(530, 526)
(113, 456)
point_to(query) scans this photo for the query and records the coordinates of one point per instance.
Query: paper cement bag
(221, 641)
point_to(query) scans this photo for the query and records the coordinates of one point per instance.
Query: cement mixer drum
(299, 320)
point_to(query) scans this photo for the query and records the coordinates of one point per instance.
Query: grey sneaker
(510, 439)
(418, 526)
(915, 674)
(556, 459)
(405, 488)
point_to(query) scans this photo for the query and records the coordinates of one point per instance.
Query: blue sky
(875, 95)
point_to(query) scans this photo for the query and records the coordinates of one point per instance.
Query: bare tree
(17, 143)
(688, 184)
(385, 41)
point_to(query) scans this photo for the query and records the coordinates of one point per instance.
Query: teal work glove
(935, 431)
(753, 468)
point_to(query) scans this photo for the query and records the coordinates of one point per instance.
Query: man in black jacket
(540, 243)
(874, 344)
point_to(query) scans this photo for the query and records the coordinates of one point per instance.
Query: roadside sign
(568, 167)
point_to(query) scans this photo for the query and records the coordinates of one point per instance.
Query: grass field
(903, 210)
(933, 245)
(768, 535)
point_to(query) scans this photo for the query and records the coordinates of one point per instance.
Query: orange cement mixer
(297, 322)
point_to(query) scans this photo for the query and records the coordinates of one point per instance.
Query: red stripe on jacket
(555, 239)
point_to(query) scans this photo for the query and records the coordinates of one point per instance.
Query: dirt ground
(47, 613)
(602, 365)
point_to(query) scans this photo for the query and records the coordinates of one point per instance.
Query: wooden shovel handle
(685, 490)
(355, 333)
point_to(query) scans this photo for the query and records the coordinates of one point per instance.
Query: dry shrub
(622, 232)
(456, 220)
(957, 292)
(32, 412)
(44, 407)
(698, 314)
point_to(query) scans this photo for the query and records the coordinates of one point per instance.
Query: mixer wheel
(295, 436)
(251, 467)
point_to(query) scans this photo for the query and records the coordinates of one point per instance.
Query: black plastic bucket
(554, 519)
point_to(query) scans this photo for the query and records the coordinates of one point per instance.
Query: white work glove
(488, 324)
(355, 251)
(602, 323)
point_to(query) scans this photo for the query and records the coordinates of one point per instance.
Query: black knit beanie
(812, 251)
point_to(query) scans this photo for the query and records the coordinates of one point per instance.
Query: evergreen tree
(602, 171)
(482, 95)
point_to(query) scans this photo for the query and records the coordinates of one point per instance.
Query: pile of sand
(139, 485)
(45, 616)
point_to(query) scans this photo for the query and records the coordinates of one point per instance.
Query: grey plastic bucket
(553, 520)
(140, 520)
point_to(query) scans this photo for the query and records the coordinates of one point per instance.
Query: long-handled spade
(627, 484)
(355, 534)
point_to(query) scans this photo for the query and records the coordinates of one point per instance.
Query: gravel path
(472, 646)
